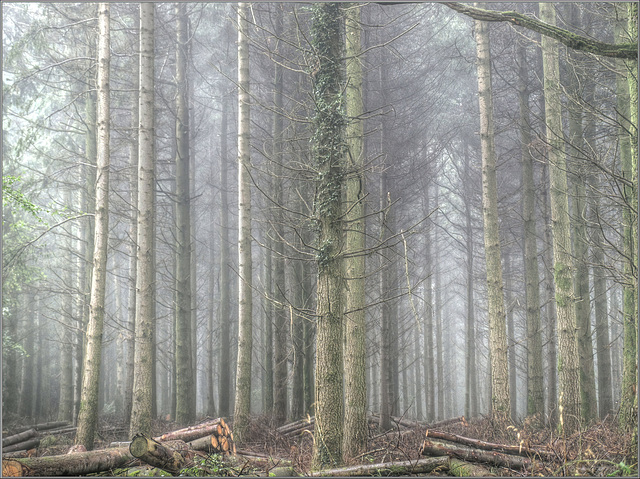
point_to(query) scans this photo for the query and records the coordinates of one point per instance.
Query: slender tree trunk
(224, 367)
(429, 370)
(471, 373)
(185, 393)
(142, 396)
(245, 338)
(500, 405)
(568, 361)
(268, 335)
(88, 414)
(511, 335)
(627, 105)
(355, 413)
(328, 152)
(535, 375)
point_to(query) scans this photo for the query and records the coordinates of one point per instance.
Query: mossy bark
(355, 414)
(568, 364)
(328, 152)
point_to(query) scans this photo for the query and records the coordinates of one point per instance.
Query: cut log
(287, 429)
(22, 446)
(76, 464)
(193, 432)
(62, 430)
(168, 456)
(474, 455)
(16, 438)
(489, 446)
(51, 425)
(401, 468)
(446, 422)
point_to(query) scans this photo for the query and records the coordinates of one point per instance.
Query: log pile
(170, 452)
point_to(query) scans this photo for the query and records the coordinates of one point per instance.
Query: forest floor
(600, 450)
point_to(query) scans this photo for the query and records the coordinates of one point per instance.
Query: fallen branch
(474, 455)
(421, 466)
(74, 464)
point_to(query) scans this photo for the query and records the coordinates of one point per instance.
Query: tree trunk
(355, 412)
(74, 464)
(142, 395)
(500, 395)
(224, 319)
(88, 414)
(168, 457)
(328, 152)
(185, 393)
(535, 383)
(245, 339)
(568, 364)
(429, 371)
(17, 438)
(474, 455)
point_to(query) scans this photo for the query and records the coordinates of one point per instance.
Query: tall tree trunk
(328, 152)
(242, 407)
(471, 373)
(185, 393)
(88, 414)
(429, 370)
(224, 319)
(500, 405)
(627, 117)
(142, 396)
(511, 335)
(568, 362)
(535, 375)
(267, 391)
(355, 412)
(133, 245)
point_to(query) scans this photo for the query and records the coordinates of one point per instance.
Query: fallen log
(458, 468)
(62, 430)
(194, 432)
(287, 429)
(50, 425)
(401, 468)
(446, 422)
(474, 455)
(75, 464)
(489, 446)
(20, 437)
(22, 446)
(170, 456)
(400, 421)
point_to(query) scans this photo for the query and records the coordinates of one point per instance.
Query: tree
(535, 384)
(355, 417)
(185, 392)
(328, 153)
(245, 339)
(145, 268)
(500, 398)
(568, 367)
(88, 414)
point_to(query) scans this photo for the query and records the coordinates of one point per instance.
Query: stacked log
(22, 441)
(213, 436)
(296, 428)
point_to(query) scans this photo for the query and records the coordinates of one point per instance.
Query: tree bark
(500, 395)
(16, 438)
(142, 395)
(22, 446)
(242, 407)
(328, 152)
(568, 365)
(168, 457)
(88, 414)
